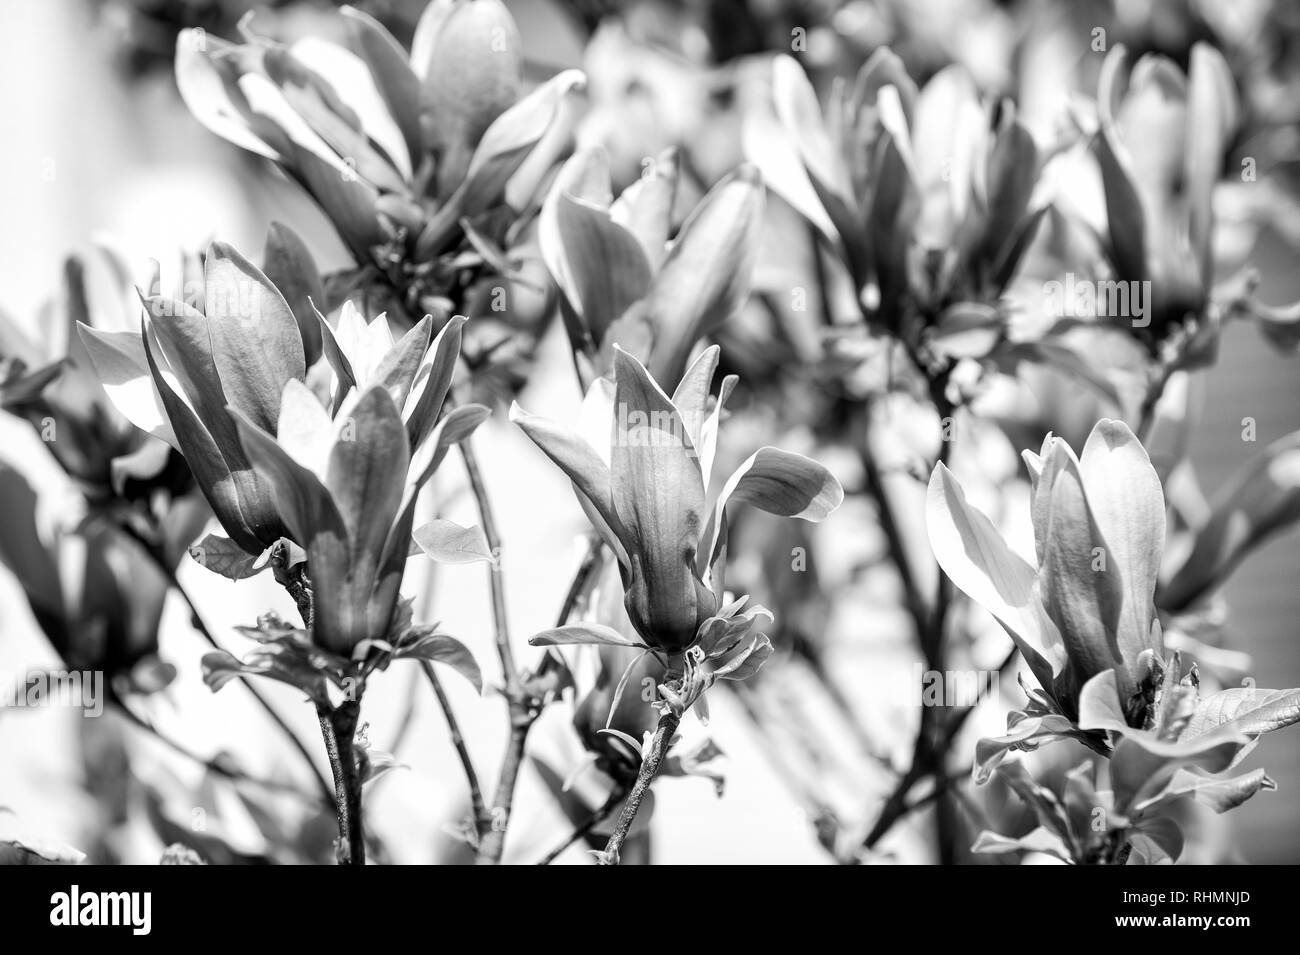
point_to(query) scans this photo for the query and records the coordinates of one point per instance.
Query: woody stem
(338, 728)
(649, 769)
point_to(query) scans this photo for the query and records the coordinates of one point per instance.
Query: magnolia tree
(965, 268)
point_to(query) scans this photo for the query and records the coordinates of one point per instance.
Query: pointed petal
(256, 345)
(289, 266)
(576, 458)
(1128, 505)
(974, 555)
(708, 273)
(658, 495)
(432, 381)
(305, 430)
(123, 370)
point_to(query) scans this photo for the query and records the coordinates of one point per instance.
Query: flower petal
(974, 555)
(707, 275)
(256, 344)
(1128, 505)
(658, 496)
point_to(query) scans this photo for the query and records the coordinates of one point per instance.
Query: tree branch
(659, 743)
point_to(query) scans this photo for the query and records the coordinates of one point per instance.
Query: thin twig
(482, 818)
(894, 539)
(645, 776)
(595, 819)
(923, 763)
(522, 711)
(583, 579)
(212, 765)
(197, 622)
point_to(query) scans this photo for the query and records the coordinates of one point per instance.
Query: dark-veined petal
(658, 496)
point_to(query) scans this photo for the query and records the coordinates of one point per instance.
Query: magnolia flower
(642, 478)
(925, 193)
(1160, 146)
(1099, 530)
(52, 384)
(400, 151)
(619, 277)
(1084, 617)
(344, 471)
(181, 378)
(617, 713)
(176, 377)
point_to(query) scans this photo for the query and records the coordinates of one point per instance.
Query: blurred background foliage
(99, 151)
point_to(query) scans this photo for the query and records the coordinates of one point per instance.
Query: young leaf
(449, 543)
(440, 648)
(581, 633)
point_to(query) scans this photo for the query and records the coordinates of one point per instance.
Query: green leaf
(1141, 766)
(1244, 710)
(1047, 808)
(776, 481)
(1023, 733)
(223, 556)
(581, 633)
(1040, 840)
(1155, 842)
(455, 426)
(440, 648)
(1219, 793)
(449, 543)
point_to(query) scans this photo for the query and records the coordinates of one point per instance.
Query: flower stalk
(338, 729)
(654, 758)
